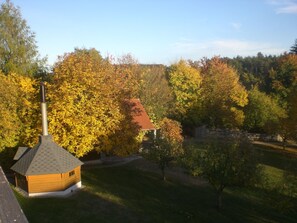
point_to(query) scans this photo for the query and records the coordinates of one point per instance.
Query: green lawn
(125, 194)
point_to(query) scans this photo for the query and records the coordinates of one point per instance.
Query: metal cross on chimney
(43, 110)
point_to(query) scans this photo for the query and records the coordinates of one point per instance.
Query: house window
(71, 173)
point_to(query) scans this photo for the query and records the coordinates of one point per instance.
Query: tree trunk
(219, 198)
(163, 173)
(284, 142)
(219, 201)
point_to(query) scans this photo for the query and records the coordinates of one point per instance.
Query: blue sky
(162, 31)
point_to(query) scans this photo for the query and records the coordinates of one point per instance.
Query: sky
(162, 31)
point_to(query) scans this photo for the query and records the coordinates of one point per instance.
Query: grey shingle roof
(46, 157)
(10, 210)
(20, 152)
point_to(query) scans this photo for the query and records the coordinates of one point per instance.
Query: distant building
(140, 117)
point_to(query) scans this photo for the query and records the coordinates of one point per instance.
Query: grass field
(126, 194)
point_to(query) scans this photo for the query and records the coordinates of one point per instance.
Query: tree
(84, 108)
(168, 145)
(19, 111)
(254, 71)
(9, 120)
(283, 78)
(224, 163)
(287, 127)
(155, 93)
(128, 74)
(28, 108)
(127, 138)
(223, 95)
(18, 50)
(261, 111)
(293, 49)
(185, 82)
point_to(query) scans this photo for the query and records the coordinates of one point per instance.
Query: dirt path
(138, 162)
(171, 173)
(276, 147)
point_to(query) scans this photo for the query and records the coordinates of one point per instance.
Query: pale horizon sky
(162, 31)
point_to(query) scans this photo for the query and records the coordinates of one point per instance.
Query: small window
(71, 173)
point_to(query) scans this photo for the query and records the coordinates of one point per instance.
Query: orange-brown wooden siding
(52, 182)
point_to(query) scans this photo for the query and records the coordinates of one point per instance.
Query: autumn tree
(155, 93)
(84, 105)
(28, 109)
(224, 163)
(262, 111)
(18, 49)
(19, 103)
(168, 145)
(223, 95)
(9, 120)
(283, 78)
(254, 70)
(128, 73)
(127, 138)
(185, 82)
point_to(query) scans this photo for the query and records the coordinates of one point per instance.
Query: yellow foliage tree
(84, 105)
(19, 111)
(223, 95)
(29, 110)
(186, 86)
(127, 139)
(9, 121)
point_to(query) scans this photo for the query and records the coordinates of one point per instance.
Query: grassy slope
(125, 194)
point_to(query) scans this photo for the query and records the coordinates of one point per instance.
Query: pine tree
(293, 49)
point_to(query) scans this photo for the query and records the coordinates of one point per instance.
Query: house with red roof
(140, 117)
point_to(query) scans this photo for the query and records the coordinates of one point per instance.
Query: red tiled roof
(140, 116)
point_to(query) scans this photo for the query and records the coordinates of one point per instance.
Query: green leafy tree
(284, 77)
(224, 163)
(168, 145)
(223, 95)
(261, 111)
(185, 82)
(155, 93)
(18, 50)
(254, 70)
(287, 127)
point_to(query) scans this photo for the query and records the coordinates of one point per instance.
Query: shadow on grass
(125, 194)
(83, 206)
(277, 159)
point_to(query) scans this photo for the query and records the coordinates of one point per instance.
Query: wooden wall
(21, 182)
(53, 182)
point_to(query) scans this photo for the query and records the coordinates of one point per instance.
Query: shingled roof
(140, 116)
(46, 157)
(10, 210)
